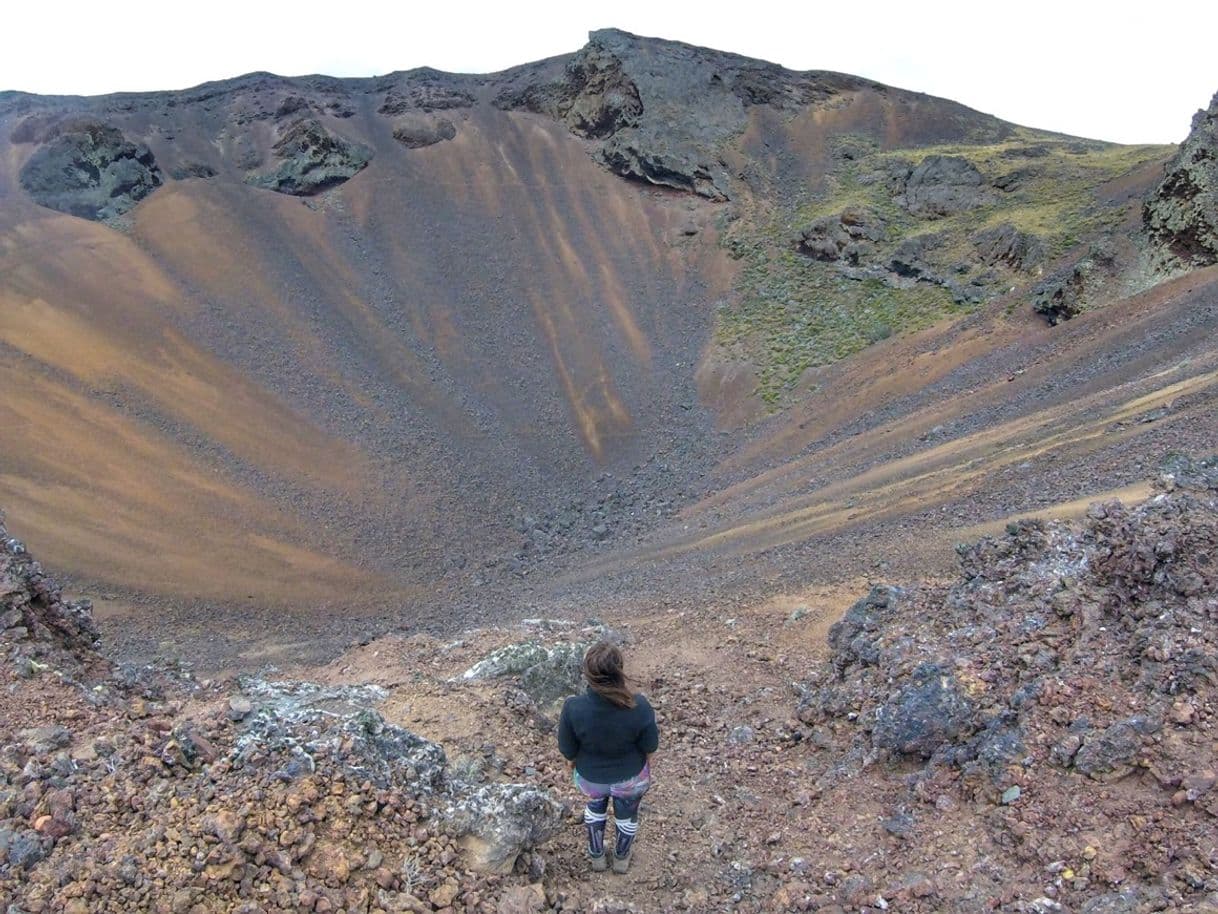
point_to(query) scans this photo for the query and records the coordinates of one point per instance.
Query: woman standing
(607, 734)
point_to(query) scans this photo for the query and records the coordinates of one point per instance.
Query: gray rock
(46, 739)
(741, 736)
(1179, 471)
(854, 639)
(560, 674)
(1109, 753)
(847, 236)
(495, 823)
(26, 849)
(1005, 245)
(942, 185)
(417, 131)
(239, 707)
(507, 661)
(311, 159)
(1066, 293)
(1181, 216)
(90, 170)
(930, 712)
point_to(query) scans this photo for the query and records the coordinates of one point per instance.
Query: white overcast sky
(1113, 71)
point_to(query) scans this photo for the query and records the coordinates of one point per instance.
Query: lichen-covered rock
(91, 170)
(311, 159)
(560, 674)
(507, 661)
(547, 674)
(497, 822)
(1181, 216)
(943, 185)
(420, 130)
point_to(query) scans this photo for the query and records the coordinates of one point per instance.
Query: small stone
(443, 895)
(1011, 794)
(239, 707)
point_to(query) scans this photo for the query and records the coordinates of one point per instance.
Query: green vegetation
(794, 313)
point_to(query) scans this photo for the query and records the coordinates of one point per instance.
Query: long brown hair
(603, 668)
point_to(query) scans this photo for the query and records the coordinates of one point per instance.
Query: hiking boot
(622, 864)
(599, 864)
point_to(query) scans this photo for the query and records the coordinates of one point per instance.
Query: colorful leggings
(626, 794)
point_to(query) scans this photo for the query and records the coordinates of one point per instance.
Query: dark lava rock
(910, 257)
(26, 849)
(32, 604)
(1110, 752)
(843, 237)
(192, 170)
(1180, 471)
(1007, 246)
(90, 170)
(931, 711)
(1013, 180)
(853, 639)
(663, 109)
(942, 185)
(426, 97)
(293, 104)
(1181, 215)
(311, 159)
(1066, 293)
(420, 130)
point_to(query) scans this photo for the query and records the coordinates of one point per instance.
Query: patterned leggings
(626, 796)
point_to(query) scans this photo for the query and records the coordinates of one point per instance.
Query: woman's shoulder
(641, 702)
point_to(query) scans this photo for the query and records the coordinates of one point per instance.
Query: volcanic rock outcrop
(312, 159)
(125, 790)
(420, 130)
(942, 185)
(662, 109)
(1182, 214)
(90, 169)
(846, 236)
(1067, 658)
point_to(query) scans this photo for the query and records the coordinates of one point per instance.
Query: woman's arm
(568, 742)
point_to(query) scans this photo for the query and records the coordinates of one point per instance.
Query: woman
(607, 734)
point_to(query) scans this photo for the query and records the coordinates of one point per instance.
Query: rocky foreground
(1037, 737)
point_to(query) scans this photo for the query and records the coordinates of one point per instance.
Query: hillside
(1033, 736)
(291, 361)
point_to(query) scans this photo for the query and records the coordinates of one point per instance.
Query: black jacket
(608, 744)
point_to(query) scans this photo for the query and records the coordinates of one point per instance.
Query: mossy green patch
(793, 313)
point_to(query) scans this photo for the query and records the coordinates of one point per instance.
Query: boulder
(90, 170)
(495, 823)
(1067, 292)
(846, 237)
(1111, 752)
(929, 713)
(1181, 215)
(416, 131)
(1004, 245)
(311, 159)
(942, 185)
(560, 674)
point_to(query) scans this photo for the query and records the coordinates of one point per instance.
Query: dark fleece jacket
(608, 744)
